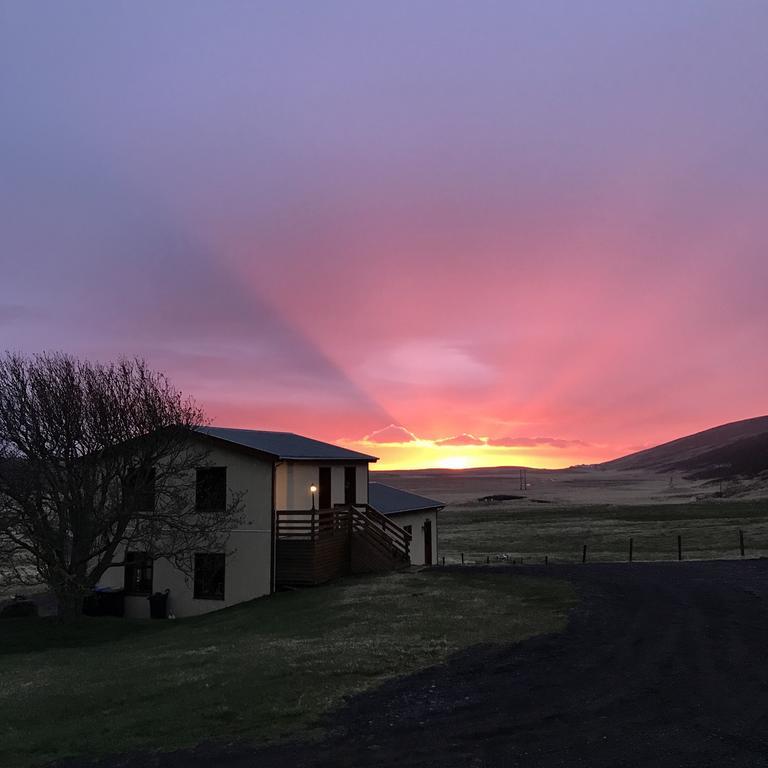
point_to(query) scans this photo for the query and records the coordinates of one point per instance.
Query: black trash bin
(158, 605)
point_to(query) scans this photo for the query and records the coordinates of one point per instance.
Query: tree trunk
(70, 606)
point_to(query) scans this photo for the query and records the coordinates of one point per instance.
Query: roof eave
(234, 446)
(435, 507)
(362, 459)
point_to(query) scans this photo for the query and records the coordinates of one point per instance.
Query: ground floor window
(138, 573)
(209, 576)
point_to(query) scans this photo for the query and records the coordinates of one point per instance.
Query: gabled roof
(284, 445)
(390, 501)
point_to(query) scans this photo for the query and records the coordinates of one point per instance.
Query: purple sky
(516, 231)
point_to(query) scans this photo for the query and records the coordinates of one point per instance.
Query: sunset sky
(445, 233)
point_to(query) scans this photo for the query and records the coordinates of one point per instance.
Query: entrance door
(427, 528)
(324, 499)
(350, 485)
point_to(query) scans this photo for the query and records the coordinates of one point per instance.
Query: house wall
(248, 561)
(416, 521)
(293, 479)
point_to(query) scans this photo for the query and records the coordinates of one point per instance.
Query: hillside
(738, 448)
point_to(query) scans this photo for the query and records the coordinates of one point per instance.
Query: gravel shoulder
(662, 664)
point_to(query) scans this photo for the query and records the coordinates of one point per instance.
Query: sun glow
(420, 453)
(455, 462)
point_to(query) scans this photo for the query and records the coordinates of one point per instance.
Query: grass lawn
(264, 670)
(708, 530)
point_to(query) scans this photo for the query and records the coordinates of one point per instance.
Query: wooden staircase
(377, 544)
(316, 546)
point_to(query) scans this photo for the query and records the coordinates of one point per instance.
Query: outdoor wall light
(313, 491)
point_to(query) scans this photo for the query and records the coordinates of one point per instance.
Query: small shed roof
(285, 446)
(391, 501)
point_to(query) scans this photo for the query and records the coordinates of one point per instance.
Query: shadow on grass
(30, 635)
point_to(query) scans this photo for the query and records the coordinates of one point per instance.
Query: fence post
(741, 541)
(546, 560)
(443, 559)
(584, 554)
(487, 559)
(631, 541)
(679, 547)
(462, 558)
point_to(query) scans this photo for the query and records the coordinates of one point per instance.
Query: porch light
(313, 491)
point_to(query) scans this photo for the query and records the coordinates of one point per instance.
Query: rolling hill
(736, 449)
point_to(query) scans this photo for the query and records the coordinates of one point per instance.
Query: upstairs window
(211, 489)
(138, 573)
(145, 493)
(140, 490)
(209, 576)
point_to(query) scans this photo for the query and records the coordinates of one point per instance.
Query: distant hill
(738, 448)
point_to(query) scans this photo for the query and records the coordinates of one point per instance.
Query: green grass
(264, 670)
(708, 530)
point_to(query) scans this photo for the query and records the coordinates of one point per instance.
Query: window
(138, 573)
(140, 490)
(209, 576)
(350, 485)
(145, 493)
(211, 489)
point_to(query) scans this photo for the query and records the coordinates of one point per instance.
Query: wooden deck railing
(381, 530)
(317, 545)
(313, 524)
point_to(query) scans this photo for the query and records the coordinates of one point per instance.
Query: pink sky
(444, 236)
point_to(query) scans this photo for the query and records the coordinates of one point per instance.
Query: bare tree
(94, 459)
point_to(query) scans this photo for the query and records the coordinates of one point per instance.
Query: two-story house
(305, 519)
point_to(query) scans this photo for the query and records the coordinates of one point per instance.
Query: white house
(417, 515)
(306, 518)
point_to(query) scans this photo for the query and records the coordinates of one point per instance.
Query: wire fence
(641, 548)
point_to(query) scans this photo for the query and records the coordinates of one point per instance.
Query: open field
(561, 510)
(575, 486)
(261, 671)
(708, 531)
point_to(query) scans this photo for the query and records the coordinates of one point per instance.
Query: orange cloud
(463, 439)
(529, 442)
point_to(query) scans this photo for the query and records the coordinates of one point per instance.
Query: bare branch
(81, 445)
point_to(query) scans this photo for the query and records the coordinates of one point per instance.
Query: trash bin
(158, 605)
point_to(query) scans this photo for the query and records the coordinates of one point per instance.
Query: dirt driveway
(661, 665)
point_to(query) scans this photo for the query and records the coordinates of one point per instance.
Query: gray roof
(390, 501)
(285, 445)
